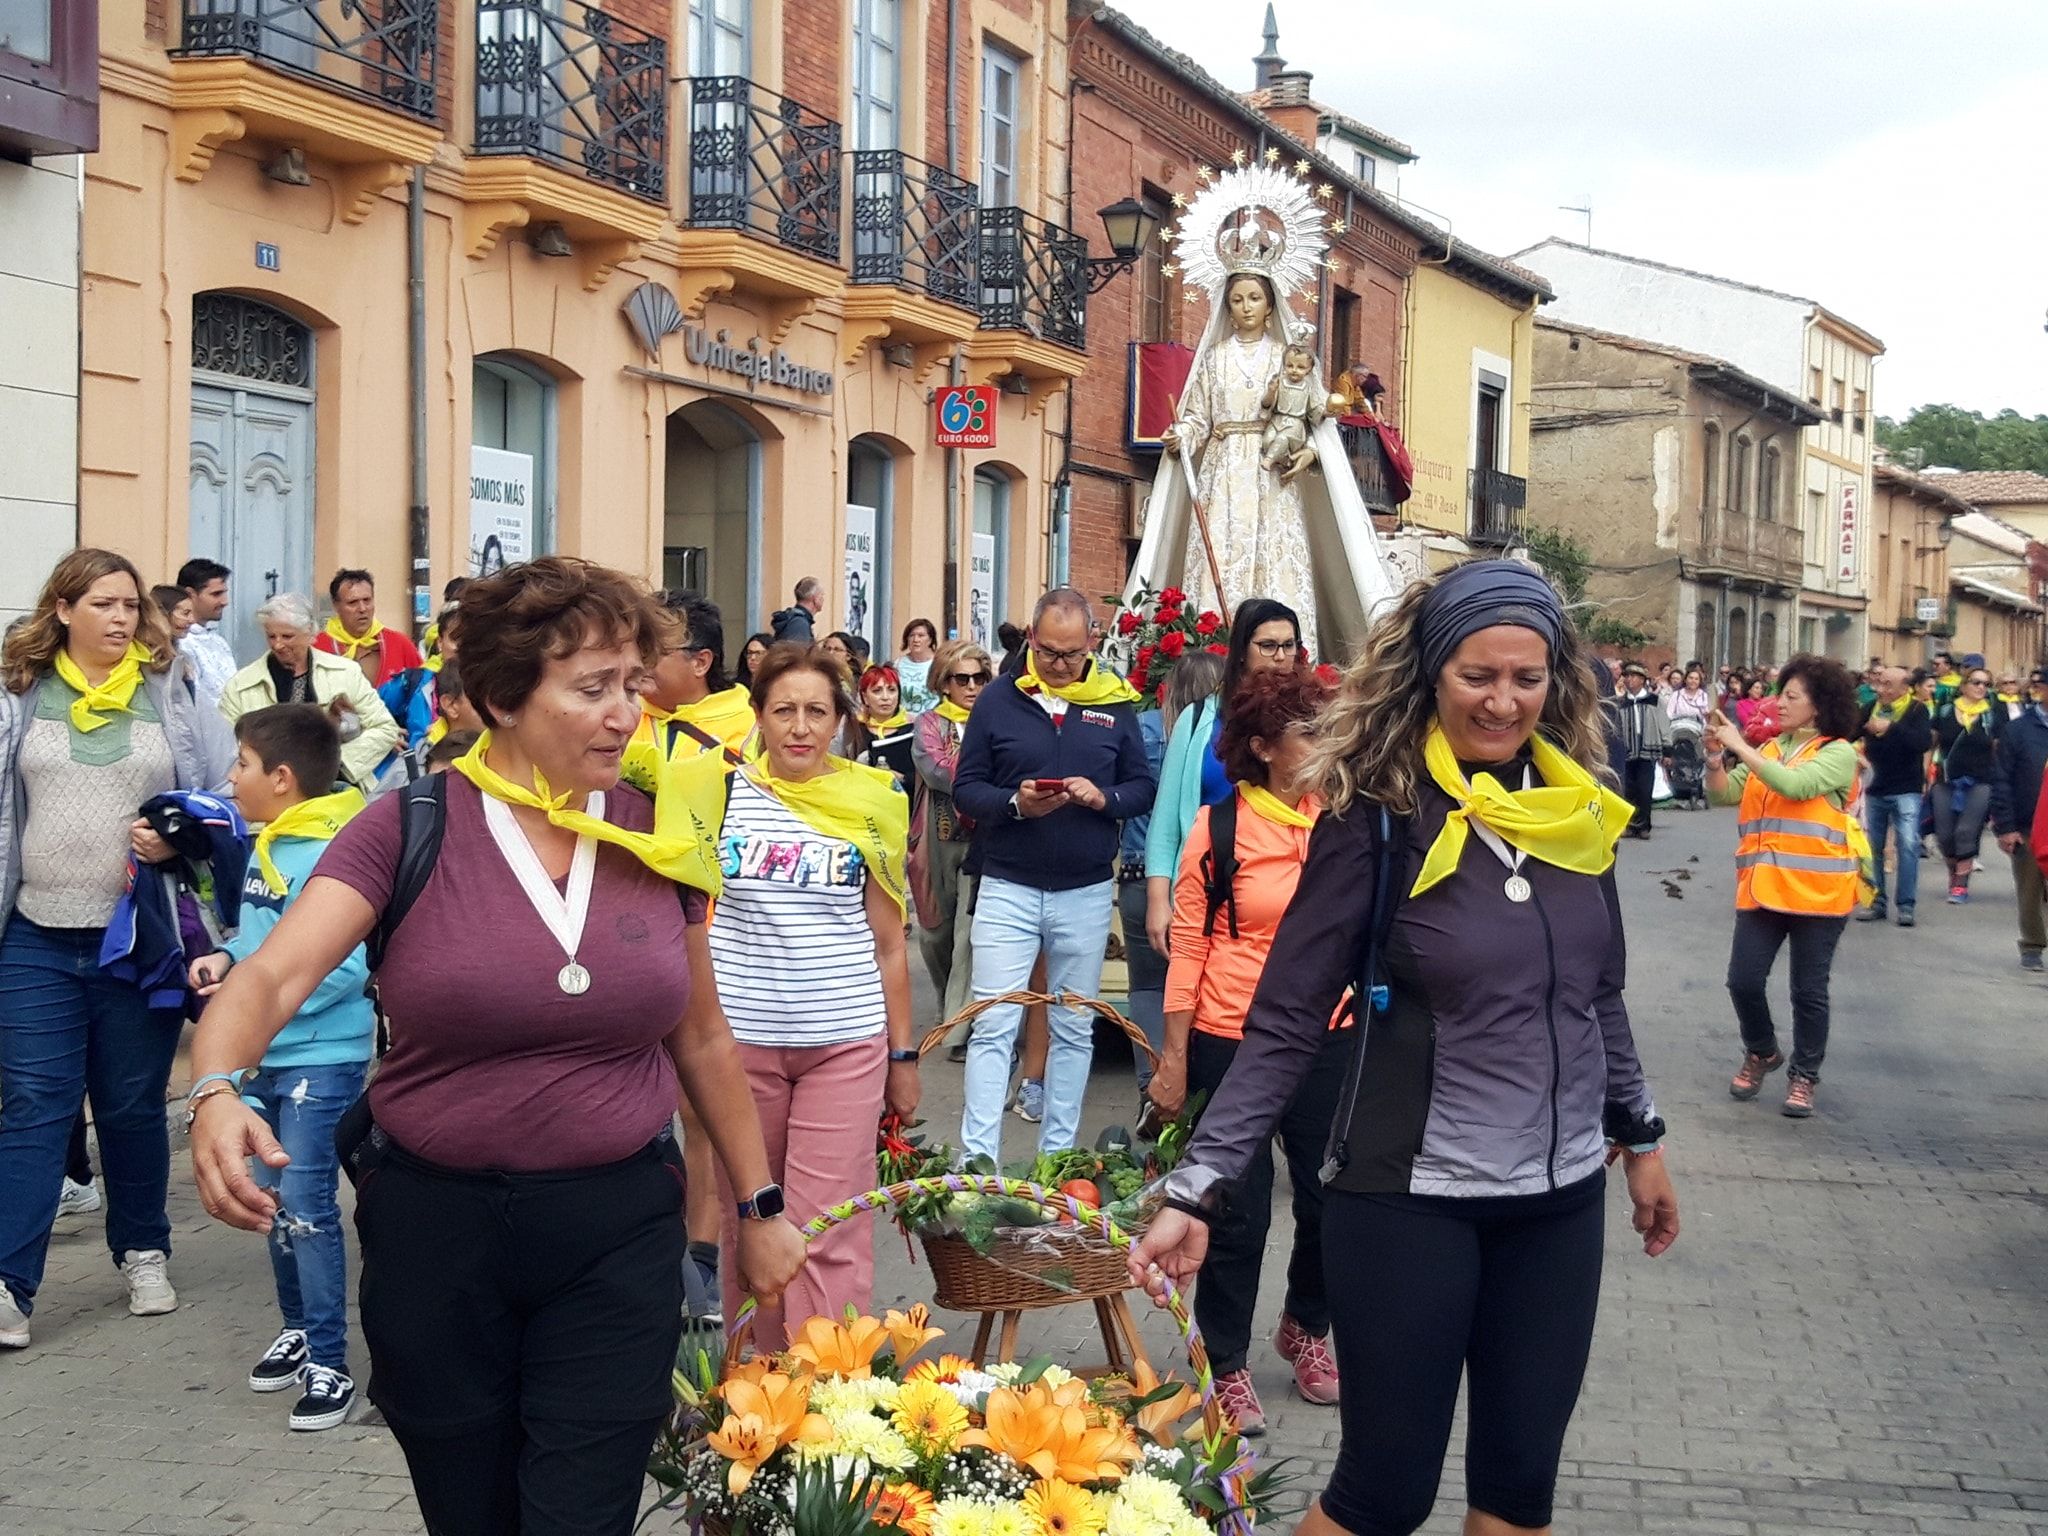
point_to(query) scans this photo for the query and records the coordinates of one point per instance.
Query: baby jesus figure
(1296, 406)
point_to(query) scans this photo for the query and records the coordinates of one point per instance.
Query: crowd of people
(704, 886)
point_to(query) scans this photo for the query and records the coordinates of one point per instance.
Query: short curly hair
(511, 625)
(1831, 688)
(1265, 706)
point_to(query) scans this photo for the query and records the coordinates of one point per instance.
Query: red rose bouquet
(1161, 629)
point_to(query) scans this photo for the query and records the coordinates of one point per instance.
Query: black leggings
(1426, 1288)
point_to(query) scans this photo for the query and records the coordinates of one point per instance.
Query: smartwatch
(764, 1204)
(908, 1054)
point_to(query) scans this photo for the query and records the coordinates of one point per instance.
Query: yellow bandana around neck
(116, 693)
(1273, 808)
(2007, 698)
(1967, 710)
(1099, 686)
(353, 646)
(948, 710)
(849, 801)
(680, 857)
(1571, 820)
(888, 727)
(1896, 710)
(319, 818)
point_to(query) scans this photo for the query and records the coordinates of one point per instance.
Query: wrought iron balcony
(1368, 459)
(916, 226)
(567, 83)
(383, 52)
(1752, 546)
(763, 164)
(1497, 503)
(1034, 278)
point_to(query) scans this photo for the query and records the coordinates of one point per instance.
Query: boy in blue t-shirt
(289, 756)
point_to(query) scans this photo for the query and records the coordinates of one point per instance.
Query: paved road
(1847, 1337)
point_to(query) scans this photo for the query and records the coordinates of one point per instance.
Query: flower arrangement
(1161, 630)
(850, 1433)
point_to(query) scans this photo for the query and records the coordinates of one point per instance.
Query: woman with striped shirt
(808, 947)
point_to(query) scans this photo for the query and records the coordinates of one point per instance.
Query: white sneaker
(149, 1288)
(13, 1321)
(78, 1199)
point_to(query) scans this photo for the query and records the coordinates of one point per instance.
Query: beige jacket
(333, 676)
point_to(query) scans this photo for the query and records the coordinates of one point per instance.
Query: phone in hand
(1049, 786)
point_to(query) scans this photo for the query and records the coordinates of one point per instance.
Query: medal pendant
(1517, 888)
(573, 979)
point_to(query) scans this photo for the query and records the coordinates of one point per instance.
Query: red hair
(880, 672)
(1264, 706)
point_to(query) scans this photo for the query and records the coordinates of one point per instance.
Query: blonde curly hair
(1369, 741)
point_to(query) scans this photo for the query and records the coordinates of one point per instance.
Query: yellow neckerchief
(1967, 711)
(849, 801)
(1571, 820)
(1098, 685)
(1262, 800)
(2007, 699)
(319, 818)
(1896, 710)
(888, 727)
(727, 715)
(353, 646)
(1949, 680)
(117, 692)
(682, 858)
(430, 643)
(433, 662)
(948, 710)
(437, 730)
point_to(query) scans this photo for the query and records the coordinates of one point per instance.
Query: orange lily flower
(910, 1331)
(1024, 1426)
(746, 1442)
(1157, 1420)
(835, 1349)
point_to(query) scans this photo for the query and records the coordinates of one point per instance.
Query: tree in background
(1567, 563)
(1953, 438)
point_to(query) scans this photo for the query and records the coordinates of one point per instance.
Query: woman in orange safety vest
(1797, 865)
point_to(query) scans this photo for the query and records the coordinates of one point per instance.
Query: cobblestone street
(1846, 1337)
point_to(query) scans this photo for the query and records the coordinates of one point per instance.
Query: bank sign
(752, 362)
(964, 416)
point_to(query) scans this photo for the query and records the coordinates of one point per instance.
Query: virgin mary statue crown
(1255, 218)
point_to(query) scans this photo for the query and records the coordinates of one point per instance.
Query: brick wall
(812, 52)
(156, 20)
(652, 16)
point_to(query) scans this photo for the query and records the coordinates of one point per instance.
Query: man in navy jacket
(1051, 762)
(2015, 788)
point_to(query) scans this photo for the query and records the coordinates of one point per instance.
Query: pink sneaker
(1239, 1400)
(1315, 1368)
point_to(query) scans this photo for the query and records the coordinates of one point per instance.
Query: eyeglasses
(1275, 649)
(1054, 658)
(968, 679)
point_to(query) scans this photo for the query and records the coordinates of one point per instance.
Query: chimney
(1268, 64)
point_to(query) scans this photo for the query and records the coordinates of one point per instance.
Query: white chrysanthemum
(960, 1517)
(978, 1382)
(1153, 1497)
(1187, 1523)
(1008, 1520)
(875, 1442)
(1007, 1372)
(1055, 1377)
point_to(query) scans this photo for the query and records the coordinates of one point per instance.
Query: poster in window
(500, 509)
(859, 565)
(981, 590)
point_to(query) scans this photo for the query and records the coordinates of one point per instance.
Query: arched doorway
(988, 557)
(512, 420)
(251, 457)
(1703, 637)
(1738, 636)
(711, 511)
(871, 505)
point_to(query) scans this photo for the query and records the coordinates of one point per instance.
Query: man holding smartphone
(1053, 762)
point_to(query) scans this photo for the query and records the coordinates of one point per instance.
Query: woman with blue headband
(1460, 885)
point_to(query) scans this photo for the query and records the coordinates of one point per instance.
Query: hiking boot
(1874, 913)
(1031, 1100)
(1749, 1077)
(149, 1287)
(1239, 1400)
(329, 1396)
(1799, 1097)
(1315, 1368)
(2031, 960)
(78, 1199)
(1905, 917)
(13, 1321)
(281, 1363)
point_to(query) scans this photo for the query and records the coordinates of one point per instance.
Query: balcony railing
(570, 84)
(382, 52)
(764, 164)
(1368, 460)
(1497, 503)
(1034, 278)
(916, 226)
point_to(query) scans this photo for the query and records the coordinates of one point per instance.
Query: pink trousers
(818, 1110)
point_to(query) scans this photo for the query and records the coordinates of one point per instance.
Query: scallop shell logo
(652, 311)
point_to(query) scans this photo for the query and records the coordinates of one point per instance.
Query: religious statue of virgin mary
(1254, 496)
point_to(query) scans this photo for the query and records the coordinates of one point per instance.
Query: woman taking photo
(914, 666)
(292, 672)
(812, 966)
(519, 1198)
(945, 892)
(1264, 636)
(1966, 735)
(1796, 866)
(92, 725)
(1237, 874)
(1463, 860)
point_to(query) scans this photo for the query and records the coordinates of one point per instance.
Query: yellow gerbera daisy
(1057, 1508)
(928, 1416)
(905, 1506)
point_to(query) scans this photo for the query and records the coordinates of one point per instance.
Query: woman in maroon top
(519, 1200)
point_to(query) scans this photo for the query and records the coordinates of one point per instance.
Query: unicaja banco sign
(756, 364)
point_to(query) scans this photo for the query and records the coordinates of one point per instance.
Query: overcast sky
(1885, 159)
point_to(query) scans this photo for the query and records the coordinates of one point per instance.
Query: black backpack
(1219, 865)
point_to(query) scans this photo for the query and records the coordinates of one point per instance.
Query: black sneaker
(281, 1363)
(329, 1396)
(701, 1299)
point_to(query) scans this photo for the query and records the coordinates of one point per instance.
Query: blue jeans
(1147, 967)
(301, 1106)
(66, 1031)
(1902, 814)
(1012, 925)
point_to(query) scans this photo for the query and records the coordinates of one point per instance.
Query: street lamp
(1130, 226)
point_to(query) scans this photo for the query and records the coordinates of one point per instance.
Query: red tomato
(1083, 1190)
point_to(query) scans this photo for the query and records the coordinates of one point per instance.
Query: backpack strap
(1369, 997)
(703, 738)
(422, 816)
(1219, 865)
